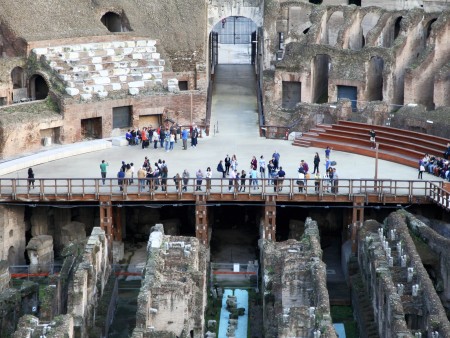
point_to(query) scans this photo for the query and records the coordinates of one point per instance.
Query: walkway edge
(53, 155)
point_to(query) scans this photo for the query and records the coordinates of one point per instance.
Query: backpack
(218, 167)
(301, 170)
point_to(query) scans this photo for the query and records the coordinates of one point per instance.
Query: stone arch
(320, 75)
(375, 79)
(116, 22)
(234, 35)
(233, 8)
(397, 26)
(334, 25)
(368, 23)
(18, 78)
(428, 28)
(38, 86)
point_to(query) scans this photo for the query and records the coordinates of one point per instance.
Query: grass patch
(344, 314)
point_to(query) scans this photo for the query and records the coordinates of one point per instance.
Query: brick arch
(115, 20)
(233, 8)
(38, 93)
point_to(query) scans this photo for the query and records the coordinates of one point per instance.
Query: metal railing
(13, 189)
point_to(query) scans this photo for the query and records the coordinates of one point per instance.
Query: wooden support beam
(270, 211)
(201, 219)
(357, 220)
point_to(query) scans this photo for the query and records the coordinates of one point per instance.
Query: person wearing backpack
(221, 170)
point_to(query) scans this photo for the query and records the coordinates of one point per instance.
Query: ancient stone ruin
(173, 293)
(295, 297)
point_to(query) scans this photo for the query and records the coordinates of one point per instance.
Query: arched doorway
(12, 256)
(38, 87)
(115, 22)
(234, 38)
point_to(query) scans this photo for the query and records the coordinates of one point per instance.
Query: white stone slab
(131, 44)
(156, 239)
(147, 76)
(117, 58)
(110, 52)
(86, 97)
(151, 42)
(102, 94)
(123, 78)
(104, 73)
(73, 56)
(96, 59)
(120, 71)
(116, 86)
(72, 91)
(98, 66)
(136, 84)
(118, 44)
(133, 91)
(141, 43)
(127, 51)
(102, 80)
(137, 56)
(156, 56)
(40, 51)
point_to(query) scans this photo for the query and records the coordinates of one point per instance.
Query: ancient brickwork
(296, 301)
(12, 234)
(403, 299)
(30, 327)
(437, 244)
(173, 294)
(391, 56)
(89, 281)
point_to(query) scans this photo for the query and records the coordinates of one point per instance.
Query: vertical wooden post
(201, 219)
(357, 220)
(270, 211)
(117, 229)
(106, 221)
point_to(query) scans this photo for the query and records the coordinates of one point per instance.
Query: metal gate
(235, 30)
(213, 51)
(234, 275)
(348, 92)
(121, 117)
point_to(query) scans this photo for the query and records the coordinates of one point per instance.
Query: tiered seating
(397, 145)
(99, 68)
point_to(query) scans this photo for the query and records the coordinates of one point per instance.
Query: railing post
(201, 219)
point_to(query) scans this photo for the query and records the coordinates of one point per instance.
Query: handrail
(18, 189)
(439, 195)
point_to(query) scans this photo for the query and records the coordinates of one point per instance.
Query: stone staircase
(396, 145)
(100, 68)
(362, 306)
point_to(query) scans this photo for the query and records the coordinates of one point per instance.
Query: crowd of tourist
(163, 137)
(153, 177)
(435, 165)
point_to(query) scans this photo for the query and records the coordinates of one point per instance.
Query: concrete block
(73, 56)
(110, 51)
(156, 56)
(116, 86)
(117, 58)
(172, 82)
(104, 45)
(127, 51)
(98, 88)
(98, 66)
(40, 51)
(118, 250)
(120, 71)
(157, 75)
(133, 91)
(80, 69)
(151, 42)
(72, 91)
(86, 97)
(96, 59)
(140, 49)
(131, 44)
(118, 44)
(136, 84)
(173, 89)
(102, 80)
(103, 73)
(123, 78)
(147, 76)
(137, 56)
(119, 141)
(121, 65)
(134, 64)
(141, 43)
(150, 49)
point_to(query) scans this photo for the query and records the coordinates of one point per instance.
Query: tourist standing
(372, 136)
(243, 175)
(276, 159)
(262, 166)
(254, 163)
(316, 162)
(221, 169)
(327, 153)
(30, 178)
(141, 174)
(421, 169)
(208, 177)
(184, 137)
(199, 176)
(103, 166)
(185, 176)
(227, 164)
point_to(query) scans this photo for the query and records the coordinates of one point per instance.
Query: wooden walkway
(384, 191)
